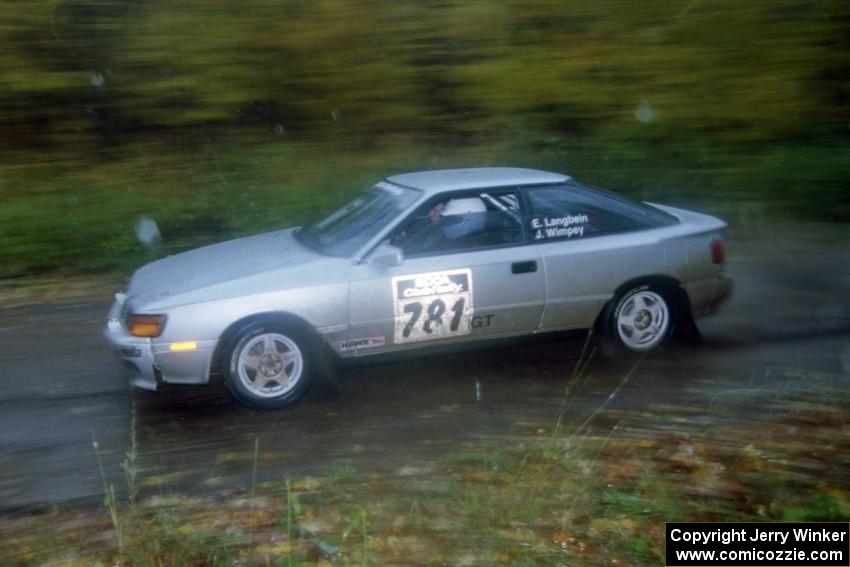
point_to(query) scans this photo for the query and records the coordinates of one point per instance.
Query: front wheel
(641, 319)
(270, 366)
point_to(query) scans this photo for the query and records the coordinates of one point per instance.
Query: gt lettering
(480, 321)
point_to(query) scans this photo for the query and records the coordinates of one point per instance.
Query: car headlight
(146, 325)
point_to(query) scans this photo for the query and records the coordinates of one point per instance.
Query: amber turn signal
(146, 325)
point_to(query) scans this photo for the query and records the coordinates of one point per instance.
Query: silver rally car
(419, 259)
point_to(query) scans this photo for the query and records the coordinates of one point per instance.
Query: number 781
(434, 315)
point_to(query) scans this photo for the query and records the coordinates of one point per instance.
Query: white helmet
(463, 216)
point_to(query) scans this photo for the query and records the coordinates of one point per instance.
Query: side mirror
(386, 255)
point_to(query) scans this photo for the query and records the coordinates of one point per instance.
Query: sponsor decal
(130, 352)
(566, 226)
(433, 305)
(363, 342)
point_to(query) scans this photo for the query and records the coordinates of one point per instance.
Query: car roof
(441, 180)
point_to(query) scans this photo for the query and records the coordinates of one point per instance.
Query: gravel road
(63, 392)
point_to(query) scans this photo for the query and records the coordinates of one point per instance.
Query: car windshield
(348, 228)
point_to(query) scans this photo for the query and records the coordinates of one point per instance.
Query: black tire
(269, 365)
(638, 320)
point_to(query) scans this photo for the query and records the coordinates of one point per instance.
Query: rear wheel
(640, 319)
(270, 365)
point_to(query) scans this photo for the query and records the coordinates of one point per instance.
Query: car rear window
(574, 211)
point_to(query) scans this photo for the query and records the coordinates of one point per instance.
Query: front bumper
(152, 363)
(134, 353)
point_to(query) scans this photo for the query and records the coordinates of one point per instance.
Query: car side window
(573, 212)
(463, 222)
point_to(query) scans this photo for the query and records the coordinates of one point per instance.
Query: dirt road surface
(62, 392)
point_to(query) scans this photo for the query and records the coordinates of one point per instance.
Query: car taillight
(146, 325)
(718, 253)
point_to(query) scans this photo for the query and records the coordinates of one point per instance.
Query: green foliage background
(219, 118)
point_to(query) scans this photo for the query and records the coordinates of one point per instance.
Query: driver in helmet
(462, 217)
(446, 225)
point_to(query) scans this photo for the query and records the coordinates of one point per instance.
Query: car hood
(217, 264)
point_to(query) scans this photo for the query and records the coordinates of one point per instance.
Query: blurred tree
(363, 69)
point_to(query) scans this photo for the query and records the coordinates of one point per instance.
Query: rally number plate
(434, 305)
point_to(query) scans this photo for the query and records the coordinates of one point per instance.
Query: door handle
(524, 267)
